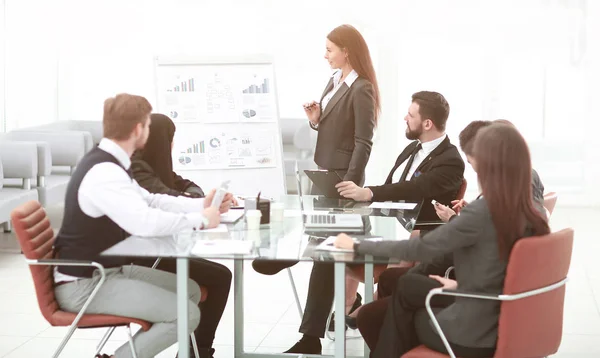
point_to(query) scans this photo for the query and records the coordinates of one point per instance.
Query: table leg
(340, 307)
(238, 308)
(182, 308)
(369, 283)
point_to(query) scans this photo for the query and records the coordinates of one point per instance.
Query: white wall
(519, 60)
(2, 67)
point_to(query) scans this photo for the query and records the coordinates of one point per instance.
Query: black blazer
(346, 130)
(439, 177)
(149, 180)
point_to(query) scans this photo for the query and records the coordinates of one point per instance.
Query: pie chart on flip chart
(173, 114)
(215, 143)
(249, 113)
(183, 160)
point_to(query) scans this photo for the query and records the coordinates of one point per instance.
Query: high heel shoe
(351, 322)
(357, 303)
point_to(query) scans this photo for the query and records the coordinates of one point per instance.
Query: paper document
(327, 245)
(222, 247)
(232, 216)
(392, 205)
(220, 228)
(241, 203)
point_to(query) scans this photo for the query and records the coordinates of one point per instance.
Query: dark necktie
(410, 161)
(130, 172)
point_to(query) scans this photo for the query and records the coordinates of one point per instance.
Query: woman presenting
(347, 113)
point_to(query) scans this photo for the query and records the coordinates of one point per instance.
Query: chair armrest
(498, 297)
(61, 262)
(479, 295)
(67, 147)
(19, 159)
(448, 271)
(469, 294)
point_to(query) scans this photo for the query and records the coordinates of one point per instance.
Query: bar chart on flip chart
(227, 121)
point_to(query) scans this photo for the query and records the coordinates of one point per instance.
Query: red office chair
(36, 238)
(531, 314)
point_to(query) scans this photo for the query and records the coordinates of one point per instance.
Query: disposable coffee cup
(277, 212)
(253, 219)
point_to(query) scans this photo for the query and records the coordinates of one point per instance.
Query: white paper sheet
(222, 247)
(241, 202)
(327, 245)
(232, 216)
(220, 228)
(392, 205)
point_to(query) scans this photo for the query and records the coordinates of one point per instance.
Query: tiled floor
(271, 317)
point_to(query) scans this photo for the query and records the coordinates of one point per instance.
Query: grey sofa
(18, 167)
(92, 128)
(299, 142)
(58, 152)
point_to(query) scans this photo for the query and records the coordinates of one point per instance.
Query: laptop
(323, 222)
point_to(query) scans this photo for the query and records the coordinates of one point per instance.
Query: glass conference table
(284, 240)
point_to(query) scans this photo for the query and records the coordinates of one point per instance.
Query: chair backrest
(550, 201)
(532, 326)
(462, 190)
(36, 238)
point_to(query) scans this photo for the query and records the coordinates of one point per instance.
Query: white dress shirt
(106, 189)
(426, 149)
(337, 76)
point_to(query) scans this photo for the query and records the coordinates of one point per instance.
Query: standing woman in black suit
(346, 115)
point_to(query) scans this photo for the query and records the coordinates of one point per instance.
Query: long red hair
(348, 38)
(504, 171)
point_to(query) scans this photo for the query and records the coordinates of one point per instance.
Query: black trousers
(394, 325)
(217, 279)
(321, 293)
(388, 278)
(321, 290)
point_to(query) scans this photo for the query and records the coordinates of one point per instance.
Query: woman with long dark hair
(153, 166)
(480, 240)
(345, 118)
(346, 115)
(153, 170)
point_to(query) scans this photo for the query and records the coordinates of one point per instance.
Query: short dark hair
(433, 105)
(466, 136)
(122, 113)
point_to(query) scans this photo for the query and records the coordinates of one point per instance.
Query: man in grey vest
(103, 206)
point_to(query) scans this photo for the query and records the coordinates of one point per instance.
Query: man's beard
(413, 134)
